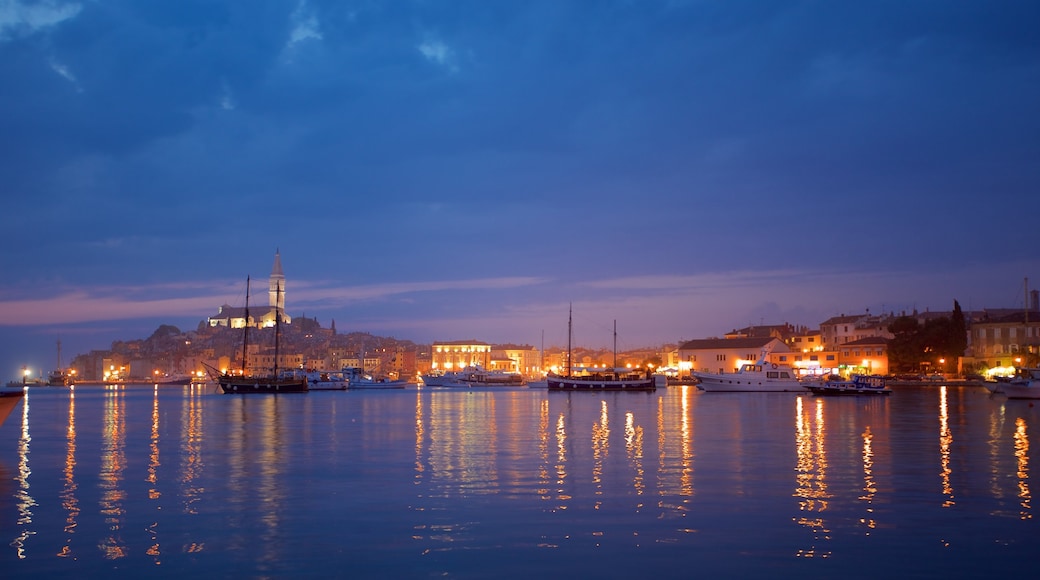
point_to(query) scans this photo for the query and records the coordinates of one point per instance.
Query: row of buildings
(846, 344)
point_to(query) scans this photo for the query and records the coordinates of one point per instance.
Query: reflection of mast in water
(811, 478)
(68, 493)
(1022, 455)
(634, 446)
(869, 485)
(113, 464)
(24, 500)
(945, 439)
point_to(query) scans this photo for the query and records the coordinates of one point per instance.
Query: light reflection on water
(515, 481)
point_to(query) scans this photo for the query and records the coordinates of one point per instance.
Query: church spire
(276, 288)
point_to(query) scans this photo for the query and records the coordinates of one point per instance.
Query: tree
(905, 350)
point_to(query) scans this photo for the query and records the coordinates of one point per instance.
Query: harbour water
(137, 480)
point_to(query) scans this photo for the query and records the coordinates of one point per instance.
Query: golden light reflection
(561, 460)
(634, 447)
(420, 434)
(945, 440)
(600, 448)
(869, 485)
(113, 465)
(23, 499)
(68, 492)
(686, 479)
(152, 478)
(811, 475)
(191, 452)
(996, 427)
(1022, 457)
(543, 449)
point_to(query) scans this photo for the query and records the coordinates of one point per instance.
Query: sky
(435, 170)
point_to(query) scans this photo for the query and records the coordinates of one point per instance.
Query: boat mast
(569, 329)
(245, 333)
(277, 325)
(615, 347)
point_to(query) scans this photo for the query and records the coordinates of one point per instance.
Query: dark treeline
(936, 344)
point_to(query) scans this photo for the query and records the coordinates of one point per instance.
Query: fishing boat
(759, 376)
(246, 383)
(857, 385)
(615, 379)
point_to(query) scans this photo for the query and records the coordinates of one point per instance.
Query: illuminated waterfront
(929, 482)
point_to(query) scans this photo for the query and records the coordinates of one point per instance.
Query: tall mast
(569, 322)
(277, 328)
(59, 352)
(615, 346)
(245, 334)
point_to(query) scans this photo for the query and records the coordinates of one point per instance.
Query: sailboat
(246, 383)
(615, 379)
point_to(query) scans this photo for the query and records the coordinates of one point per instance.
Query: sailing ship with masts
(247, 383)
(615, 379)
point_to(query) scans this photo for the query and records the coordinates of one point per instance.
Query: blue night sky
(466, 169)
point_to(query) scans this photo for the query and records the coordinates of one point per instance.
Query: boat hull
(1023, 390)
(734, 383)
(554, 383)
(246, 386)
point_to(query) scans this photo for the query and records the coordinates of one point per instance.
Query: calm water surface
(513, 482)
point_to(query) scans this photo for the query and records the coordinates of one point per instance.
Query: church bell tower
(276, 288)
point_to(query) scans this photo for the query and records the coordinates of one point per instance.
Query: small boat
(857, 385)
(245, 383)
(1024, 385)
(358, 379)
(760, 376)
(60, 377)
(615, 379)
(322, 380)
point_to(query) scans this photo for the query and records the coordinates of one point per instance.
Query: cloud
(438, 53)
(187, 299)
(19, 18)
(305, 26)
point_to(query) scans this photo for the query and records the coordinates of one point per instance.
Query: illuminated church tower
(276, 298)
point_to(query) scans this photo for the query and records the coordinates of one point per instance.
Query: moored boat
(857, 385)
(246, 383)
(760, 376)
(473, 376)
(1024, 385)
(358, 379)
(10, 395)
(616, 379)
(323, 380)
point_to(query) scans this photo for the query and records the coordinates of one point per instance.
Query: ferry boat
(760, 376)
(857, 385)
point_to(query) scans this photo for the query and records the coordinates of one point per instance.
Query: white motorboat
(760, 376)
(1024, 385)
